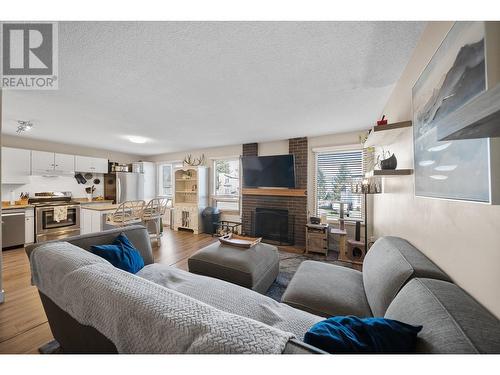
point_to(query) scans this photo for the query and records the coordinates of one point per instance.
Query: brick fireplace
(296, 206)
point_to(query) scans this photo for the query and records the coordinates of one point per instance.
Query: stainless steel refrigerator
(123, 186)
(129, 186)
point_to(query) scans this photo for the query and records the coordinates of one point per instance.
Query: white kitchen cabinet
(89, 164)
(85, 221)
(100, 165)
(83, 163)
(43, 163)
(93, 221)
(16, 165)
(64, 163)
(29, 226)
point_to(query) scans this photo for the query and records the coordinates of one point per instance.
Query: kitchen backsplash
(59, 183)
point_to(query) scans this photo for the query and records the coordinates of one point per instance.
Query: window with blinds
(335, 171)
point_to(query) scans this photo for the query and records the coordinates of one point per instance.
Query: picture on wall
(455, 75)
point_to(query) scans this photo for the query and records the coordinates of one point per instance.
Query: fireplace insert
(273, 225)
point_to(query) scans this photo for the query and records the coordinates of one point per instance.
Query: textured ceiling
(187, 85)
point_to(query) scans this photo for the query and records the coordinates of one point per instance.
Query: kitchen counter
(17, 206)
(85, 201)
(100, 207)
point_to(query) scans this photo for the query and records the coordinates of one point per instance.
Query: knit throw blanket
(139, 316)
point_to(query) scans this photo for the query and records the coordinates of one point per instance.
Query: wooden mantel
(275, 192)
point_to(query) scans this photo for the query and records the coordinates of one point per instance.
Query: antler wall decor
(189, 161)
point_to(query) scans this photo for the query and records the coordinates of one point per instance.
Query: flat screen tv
(268, 171)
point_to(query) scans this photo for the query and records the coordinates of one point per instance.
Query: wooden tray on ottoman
(232, 239)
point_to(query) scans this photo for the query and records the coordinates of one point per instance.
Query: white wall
(273, 148)
(60, 183)
(462, 238)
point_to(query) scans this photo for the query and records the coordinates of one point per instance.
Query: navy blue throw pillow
(121, 254)
(350, 334)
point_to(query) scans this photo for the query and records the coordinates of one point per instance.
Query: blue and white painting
(455, 75)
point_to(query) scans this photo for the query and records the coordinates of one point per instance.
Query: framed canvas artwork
(455, 75)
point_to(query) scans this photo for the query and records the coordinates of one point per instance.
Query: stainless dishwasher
(13, 222)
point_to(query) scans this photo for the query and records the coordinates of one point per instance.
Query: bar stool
(127, 213)
(153, 212)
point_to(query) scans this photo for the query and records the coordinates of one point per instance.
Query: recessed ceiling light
(136, 139)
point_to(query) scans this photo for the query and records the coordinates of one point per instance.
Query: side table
(317, 238)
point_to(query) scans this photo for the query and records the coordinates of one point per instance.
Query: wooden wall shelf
(275, 192)
(386, 134)
(389, 172)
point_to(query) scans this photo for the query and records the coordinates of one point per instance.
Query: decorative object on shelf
(88, 176)
(384, 155)
(390, 163)
(23, 126)
(366, 186)
(115, 167)
(455, 75)
(382, 121)
(189, 161)
(186, 175)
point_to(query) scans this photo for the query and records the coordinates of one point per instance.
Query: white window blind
(335, 172)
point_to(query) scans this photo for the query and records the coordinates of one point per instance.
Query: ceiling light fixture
(136, 139)
(23, 126)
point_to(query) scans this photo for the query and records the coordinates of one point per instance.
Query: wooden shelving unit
(275, 192)
(389, 172)
(386, 134)
(190, 197)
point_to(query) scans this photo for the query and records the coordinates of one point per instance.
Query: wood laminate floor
(23, 324)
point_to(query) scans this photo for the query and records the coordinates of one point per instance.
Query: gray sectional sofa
(398, 282)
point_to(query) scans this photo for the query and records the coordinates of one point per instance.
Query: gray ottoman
(254, 268)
